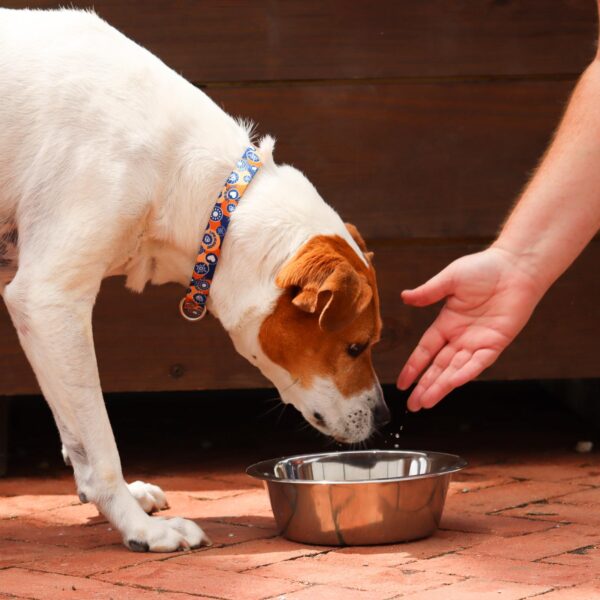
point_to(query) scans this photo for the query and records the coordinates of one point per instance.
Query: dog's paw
(167, 535)
(150, 497)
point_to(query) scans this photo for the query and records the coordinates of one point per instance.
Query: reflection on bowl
(360, 497)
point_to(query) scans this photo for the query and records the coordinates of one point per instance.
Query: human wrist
(529, 261)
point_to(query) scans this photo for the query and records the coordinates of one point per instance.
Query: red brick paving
(482, 566)
(383, 580)
(501, 497)
(332, 592)
(480, 589)
(18, 506)
(455, 519)
(587, 591)
(511, 530)
(557, 512)
(586, 497)
(49, 586)
(248, 555)
(542, 544)
(171, 576)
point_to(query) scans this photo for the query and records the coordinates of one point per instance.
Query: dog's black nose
(381, 414)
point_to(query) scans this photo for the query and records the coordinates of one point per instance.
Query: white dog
(110, 163)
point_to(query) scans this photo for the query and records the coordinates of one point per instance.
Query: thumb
(432, 291)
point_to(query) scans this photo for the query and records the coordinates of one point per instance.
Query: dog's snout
(381, 414)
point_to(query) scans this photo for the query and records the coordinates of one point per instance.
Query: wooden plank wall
(418, 121)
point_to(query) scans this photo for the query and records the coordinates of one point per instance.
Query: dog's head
(308, 323)
(319, 336)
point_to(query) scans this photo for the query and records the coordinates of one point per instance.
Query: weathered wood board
(418, 121)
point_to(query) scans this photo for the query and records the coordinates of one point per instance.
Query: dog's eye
(355, 350)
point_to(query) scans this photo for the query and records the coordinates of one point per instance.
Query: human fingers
(432, 291)
(427, 348)
(443, 383)
(437, 367)
(480, 361)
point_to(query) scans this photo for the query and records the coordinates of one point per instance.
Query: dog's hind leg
(50, 301)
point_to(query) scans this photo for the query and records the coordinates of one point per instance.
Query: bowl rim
(260, 470)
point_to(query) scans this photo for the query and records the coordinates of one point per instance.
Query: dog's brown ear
(324, 282)
(348, 295)
(360, 242)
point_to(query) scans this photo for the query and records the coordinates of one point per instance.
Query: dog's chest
(9, 254)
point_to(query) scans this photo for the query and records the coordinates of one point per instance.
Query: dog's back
(80, 103)
(38, 109)
(64, 80)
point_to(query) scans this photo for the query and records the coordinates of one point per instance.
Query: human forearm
(559, 211)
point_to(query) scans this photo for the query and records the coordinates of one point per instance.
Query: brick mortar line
(290, 559)
(156, 589)
(179, 554)
(20, 597)
(37, 512)
(507, 537)
(483, 579)
(170, 556)
(65, 545)
(554, 589)
(515, 560)
(531, 519)
(161, 590)
(543, 559)
(118, 584)
(333, 550)
(539, 501)
(277, 596)
(358, 589)
(462, 580)
(9, 539)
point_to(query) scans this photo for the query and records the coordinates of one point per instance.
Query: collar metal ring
(187, 317)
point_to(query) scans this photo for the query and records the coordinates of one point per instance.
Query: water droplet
(396, 445)
(397, 435)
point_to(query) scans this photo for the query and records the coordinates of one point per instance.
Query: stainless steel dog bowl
(358, 498)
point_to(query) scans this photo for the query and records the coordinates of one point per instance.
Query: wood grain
(415, 160)
(418, 121)
(265, 40)
(143, 344)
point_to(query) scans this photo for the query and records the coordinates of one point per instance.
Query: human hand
(489, 299)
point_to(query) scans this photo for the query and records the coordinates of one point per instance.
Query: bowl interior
(365, 465)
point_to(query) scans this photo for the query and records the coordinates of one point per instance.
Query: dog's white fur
(110, 163)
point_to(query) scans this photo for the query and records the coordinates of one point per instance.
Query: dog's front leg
(55, 331)
(150, 497)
